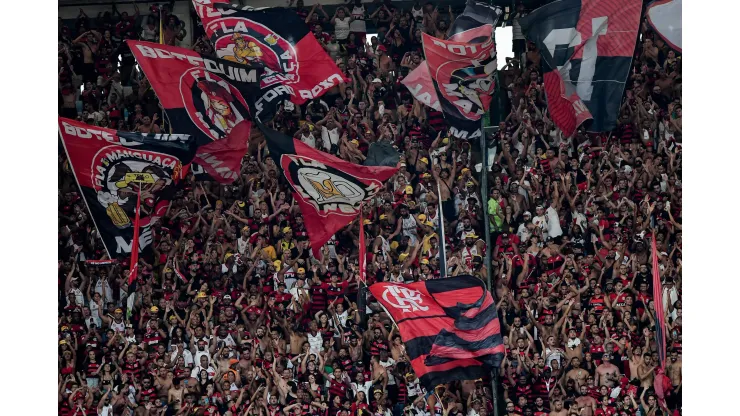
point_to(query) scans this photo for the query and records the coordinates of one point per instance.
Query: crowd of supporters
(232, 315)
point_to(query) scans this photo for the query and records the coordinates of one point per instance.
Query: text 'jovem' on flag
(112, 167)
(458, 76)
(586, 48)
(449, 326)
(297, 68)
(328, 190)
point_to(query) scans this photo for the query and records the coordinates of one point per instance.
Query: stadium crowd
(233, 316)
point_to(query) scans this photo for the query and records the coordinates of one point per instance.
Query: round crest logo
(212, 103)
(241, 40)
(118, 175)
(403, 298)
(329, 190)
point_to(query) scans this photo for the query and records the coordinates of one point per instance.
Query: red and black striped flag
(328, 190)
(586, 48)
(449, 326)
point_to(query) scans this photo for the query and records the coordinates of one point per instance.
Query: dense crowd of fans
(257, 326)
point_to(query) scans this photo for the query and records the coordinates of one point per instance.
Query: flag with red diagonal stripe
(586, 48)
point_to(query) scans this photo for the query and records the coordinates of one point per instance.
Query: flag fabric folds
(203, 97)
(297, 68)
(665, 17)
(382, 153)
(112, 167)
(660, 327)
(449, 326)
(586, 48)
(328, 190)
(458, 76)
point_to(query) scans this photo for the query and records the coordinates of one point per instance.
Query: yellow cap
(424, 261)
(154, 309)
(301, 270)
(202, 295)
(409, 189)
(445, 140)
(429, 224)
(245, 229)
(402, 256)
(63, 342)
(366, 222)
(65, 328)
(228, 255)
(471, 235)
(118, 310)
(469, 183)
(424, 160)
(286, 230)
(167, 270)
(277, 264)
(219, 203)
(426, 175)
(383, 216)
(465, 170)
(394, 245)
(240, 204)
(422, 217)
(354, 142)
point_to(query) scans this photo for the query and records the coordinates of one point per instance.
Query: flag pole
(133, 269)
(442, 249)
(362, 286)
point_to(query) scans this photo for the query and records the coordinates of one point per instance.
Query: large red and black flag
(449, 326)
(586, 48)
(297, 68)
(457, 77)
(111, 167)
(203, 97)
(328, 190)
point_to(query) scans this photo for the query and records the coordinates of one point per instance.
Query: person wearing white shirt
(204, 365)
(184, 352)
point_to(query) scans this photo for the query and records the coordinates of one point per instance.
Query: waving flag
(449, 326)
(297, 68)
(328, 190)
(203, 97)
(112, 168)
(458, 76)
(665, 17)
(586, 48)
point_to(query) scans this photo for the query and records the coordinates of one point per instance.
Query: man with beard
(607, 374)
(585, 403)
(406, 226)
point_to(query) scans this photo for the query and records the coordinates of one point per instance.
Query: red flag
(222, 159)
(658, 302)
(328, 190)
(135, 242)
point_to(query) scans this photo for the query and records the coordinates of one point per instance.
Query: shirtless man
(89, 42)
(176, 394)
(607, 374)
(586, 403)
(445, 178)
(646, 372)
(574, 344)
(673, 370)
(577, 373)
(557, 409)
(163, 381)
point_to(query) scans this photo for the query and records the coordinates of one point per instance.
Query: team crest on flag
(241, 40)
(212, 103)
(328, 190)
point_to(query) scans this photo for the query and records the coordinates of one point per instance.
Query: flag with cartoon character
(111, 168)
